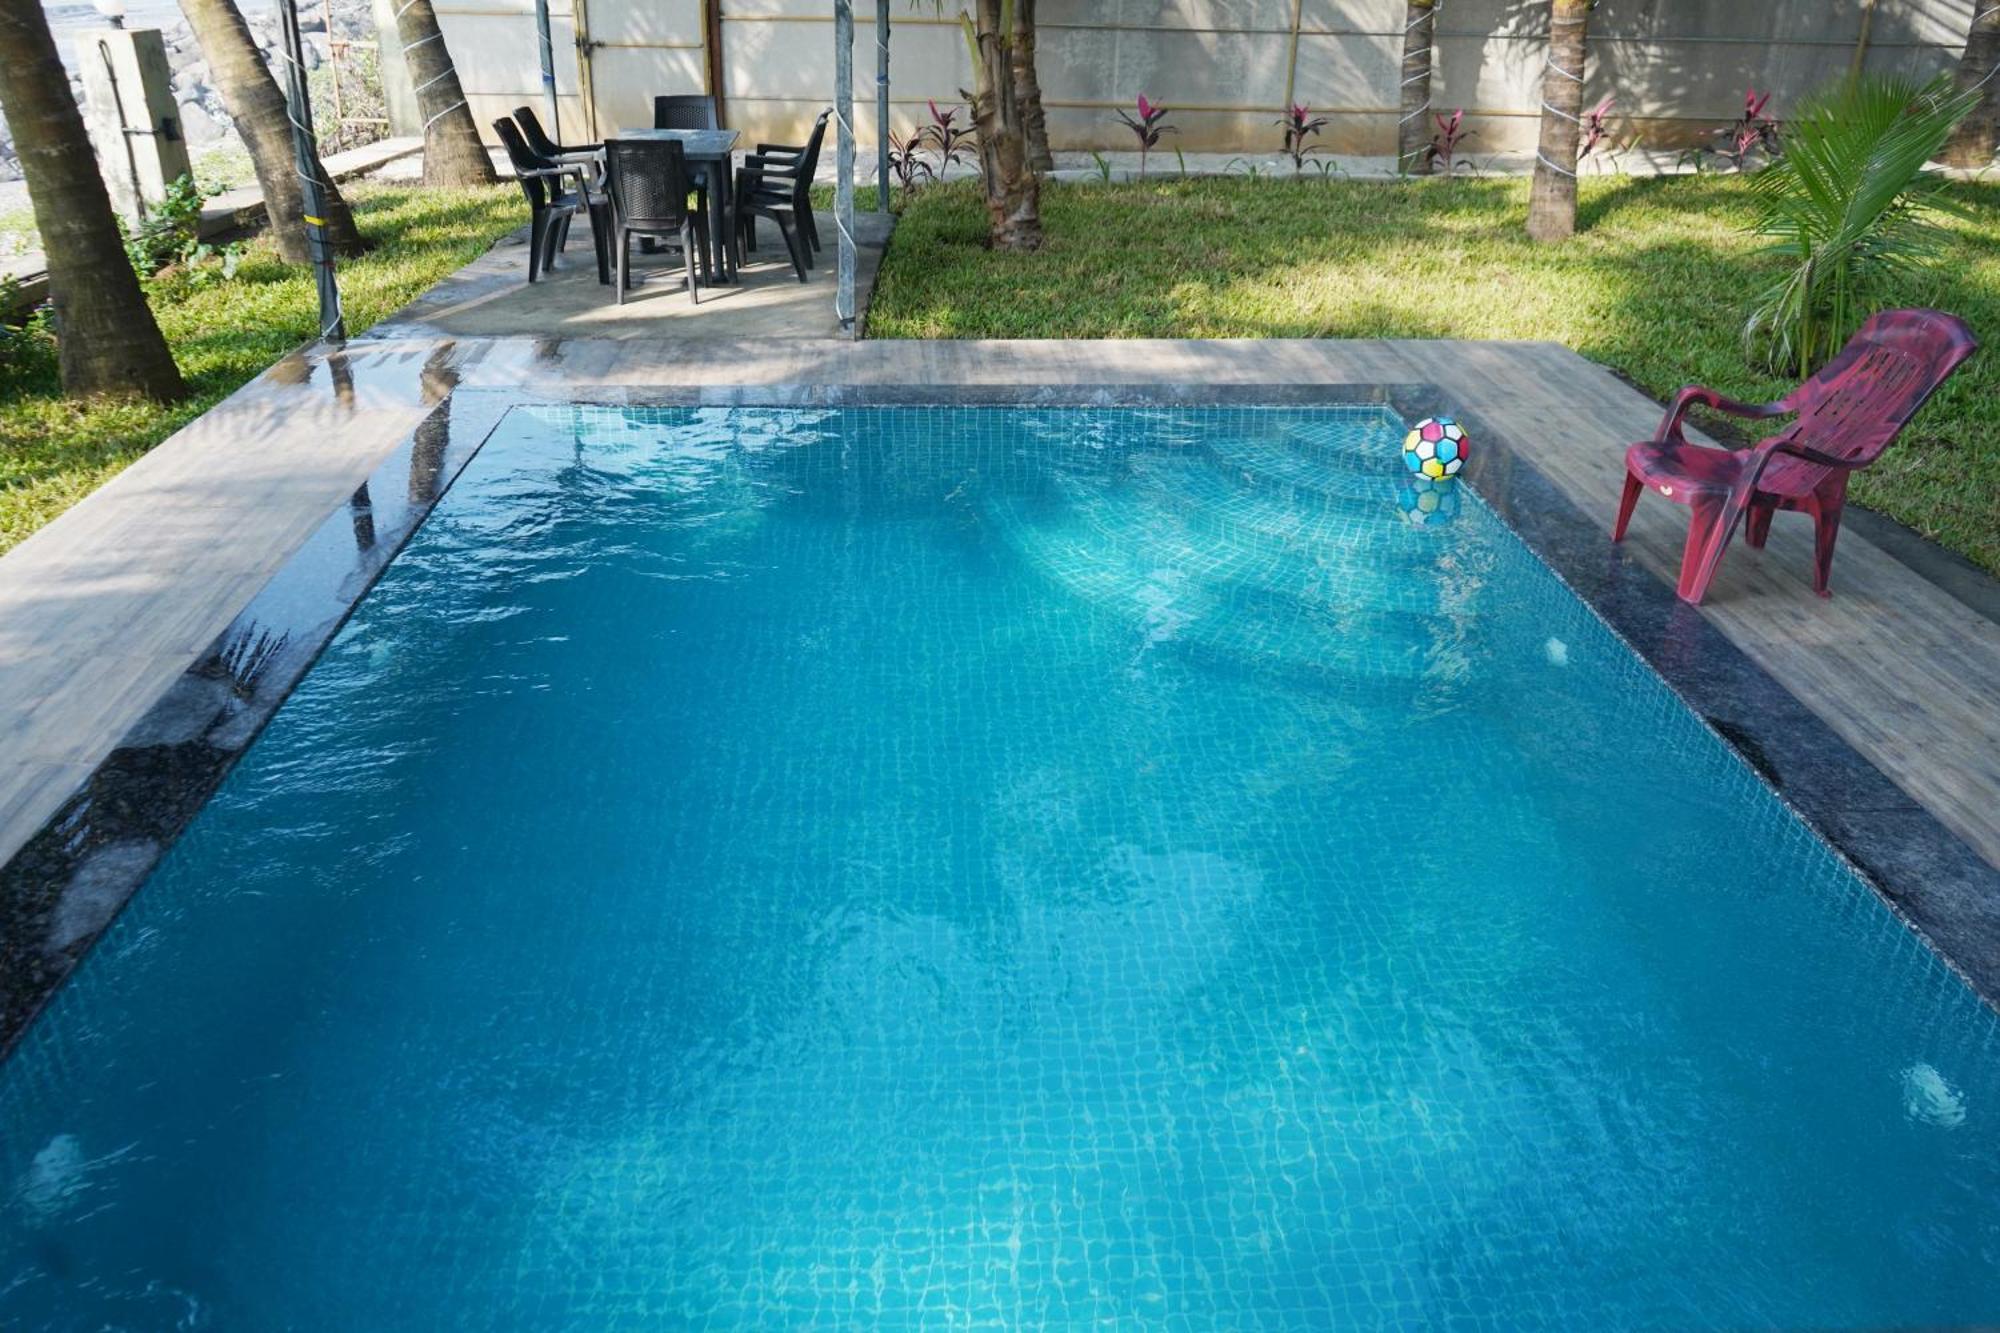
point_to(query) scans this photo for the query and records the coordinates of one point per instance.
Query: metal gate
(627, 53)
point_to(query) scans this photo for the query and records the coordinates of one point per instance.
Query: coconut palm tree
(1028, 87)
(1849, 209)
(453, 155)
(258, 109)
(106, 339)
(1007, 176)
(1413, 131)
(1973, 144)
(994, 34)
(1552, 196)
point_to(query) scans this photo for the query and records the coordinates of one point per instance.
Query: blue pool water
(910, 867)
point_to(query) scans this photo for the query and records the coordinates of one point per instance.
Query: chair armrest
(1694, 395)
(1787, 444)
(1785, 441)
(751, 183)
(756, 179)
(772, 167)
(780, 150)
(588, 171)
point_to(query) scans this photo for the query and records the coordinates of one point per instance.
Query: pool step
(1273, 505)
(1217, 541)
(1365, 559)
(1226, 601)
(1377, 474)
(1357, 442)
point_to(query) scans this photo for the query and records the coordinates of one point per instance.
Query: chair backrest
(809, 160)
(532, 133)
(684, 111)
(524, 160)
(649, 183)
(808, 167)
(1855, 406)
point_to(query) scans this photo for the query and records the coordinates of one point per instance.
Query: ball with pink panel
(1437, 448)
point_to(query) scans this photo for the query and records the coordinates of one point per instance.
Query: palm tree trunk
(1414, 130)
(1973, 144)
(106, 340)
(453, 155)
(1552, 197)
(258, 109)
(1028, 88)
(437, 381)
(1013, 191)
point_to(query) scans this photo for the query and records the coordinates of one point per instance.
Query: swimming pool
(924, 866)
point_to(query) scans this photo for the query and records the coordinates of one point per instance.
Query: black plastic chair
(587, 161)
(539, 142)
(551, 206)
(648, 180)
(687, 111)
(763, 193)
(684, 111)
(792, 170)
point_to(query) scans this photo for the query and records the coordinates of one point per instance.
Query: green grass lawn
(223, 332)
(1654, 285)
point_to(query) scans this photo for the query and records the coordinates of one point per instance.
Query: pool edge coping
(66, 885)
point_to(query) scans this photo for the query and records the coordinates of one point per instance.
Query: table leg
(719, 219)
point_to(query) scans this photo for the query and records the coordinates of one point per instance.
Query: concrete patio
(490, 298)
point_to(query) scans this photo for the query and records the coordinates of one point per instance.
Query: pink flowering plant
(907, 162)
(1147, 127)
(1443, 147)
(1753, 132)
(1300, 125)
(946, 137)
(1596, 126)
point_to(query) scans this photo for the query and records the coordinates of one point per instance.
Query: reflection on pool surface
(935, 867)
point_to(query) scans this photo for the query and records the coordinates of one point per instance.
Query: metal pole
(548, 52)
(843, 190)
(299, 107)
(881, 106)
(586, 79)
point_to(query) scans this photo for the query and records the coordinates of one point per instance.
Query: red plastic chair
(1847, 415)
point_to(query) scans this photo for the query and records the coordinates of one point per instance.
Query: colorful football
(1425, 500)
(1436, 447)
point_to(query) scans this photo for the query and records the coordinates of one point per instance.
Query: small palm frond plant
(1850, 209)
